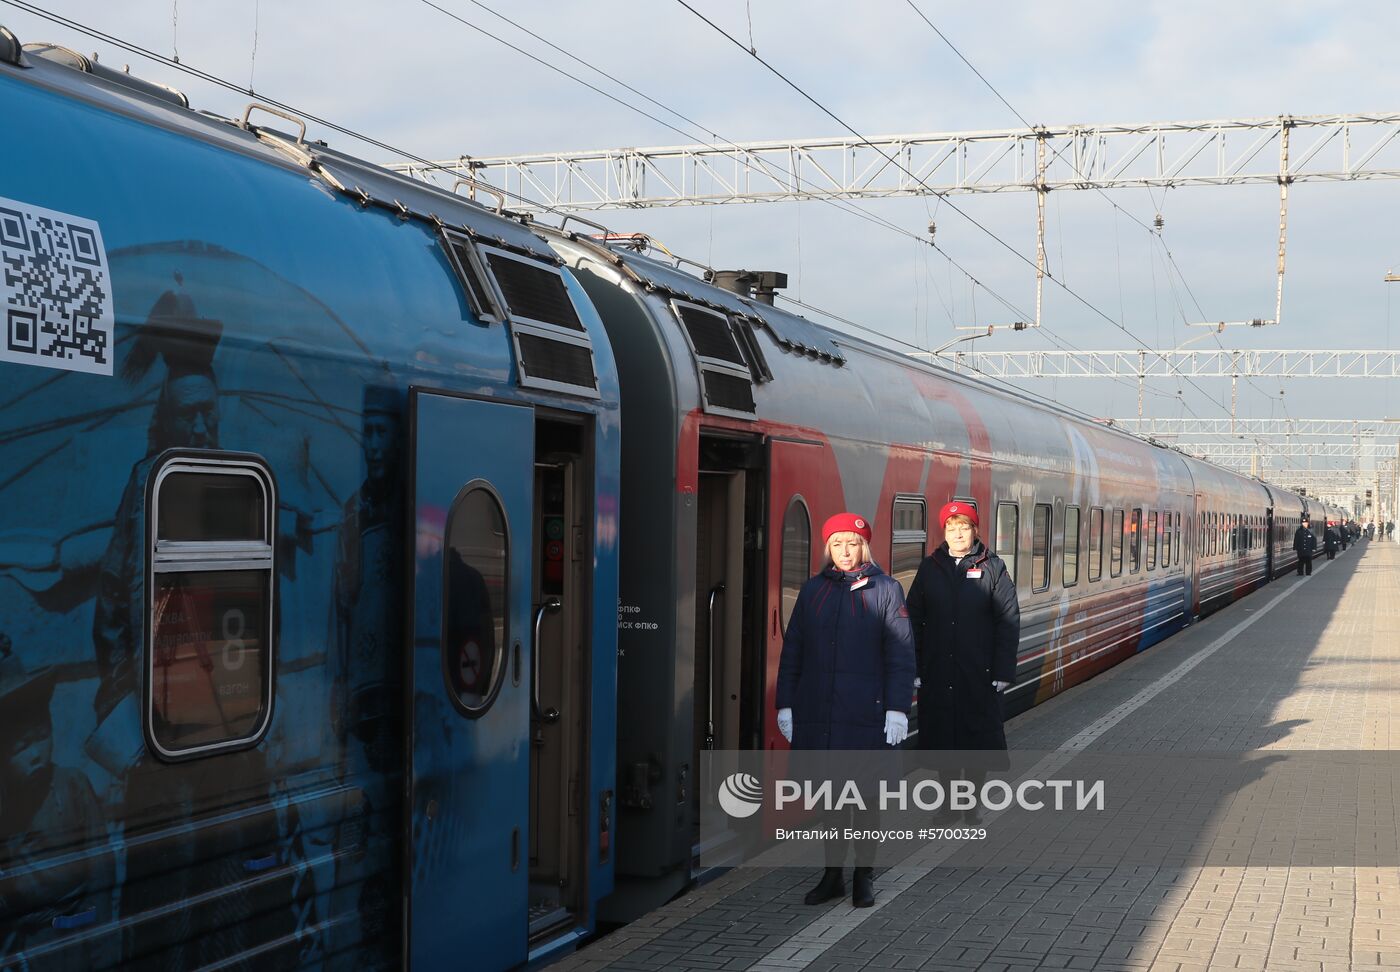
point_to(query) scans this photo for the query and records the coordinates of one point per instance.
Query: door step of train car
(550, 949)
(547, 917)
(720, 853)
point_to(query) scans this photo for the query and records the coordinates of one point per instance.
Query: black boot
(863, 887)
(832, 885)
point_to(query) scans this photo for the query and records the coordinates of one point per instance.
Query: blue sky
(412, 76)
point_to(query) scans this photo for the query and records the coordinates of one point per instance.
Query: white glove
(785, 723)
(896, 727)
(1001, 686)
(918, 683)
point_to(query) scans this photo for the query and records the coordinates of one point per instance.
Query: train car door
(728, 670)
(558, 652)
(468, 680)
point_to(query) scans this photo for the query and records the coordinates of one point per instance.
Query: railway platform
(1303, 664)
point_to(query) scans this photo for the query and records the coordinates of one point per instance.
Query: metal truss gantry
(1223, 452)
(1250, 428)
(1327, 148)
(1175, 364)
(1281, 151)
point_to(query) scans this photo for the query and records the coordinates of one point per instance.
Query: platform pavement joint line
(1285, 688)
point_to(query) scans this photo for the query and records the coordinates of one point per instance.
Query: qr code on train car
(55, 290)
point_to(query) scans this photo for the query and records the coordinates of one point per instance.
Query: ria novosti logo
(740, 795)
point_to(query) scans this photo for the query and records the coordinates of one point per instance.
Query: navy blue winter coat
(967, 622)
(848, 657)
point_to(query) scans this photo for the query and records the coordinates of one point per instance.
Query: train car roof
(804, 337)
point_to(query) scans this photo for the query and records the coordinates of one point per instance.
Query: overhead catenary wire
(1062, 343)
(1017, 389)
(219, 81)
(1122, 313)
(829, 197)
(1154, 233)
(921, 181)
(226, 84)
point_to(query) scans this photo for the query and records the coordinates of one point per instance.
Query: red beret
(956, 508)
(846, 523)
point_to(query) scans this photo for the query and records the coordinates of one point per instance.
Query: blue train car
(308, 555)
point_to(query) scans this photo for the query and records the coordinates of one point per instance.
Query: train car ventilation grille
(533, 291)
(544, 360)
(710, 334)
(553, 349)
(723, 390)
(726, 376)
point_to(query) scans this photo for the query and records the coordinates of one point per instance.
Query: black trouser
(1304, 561)
(1331, 552)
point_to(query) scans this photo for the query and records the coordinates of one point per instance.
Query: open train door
(467, 784)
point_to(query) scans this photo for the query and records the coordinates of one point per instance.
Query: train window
(1135, 541)
(909, 538)
(209, 649)
(758, 364)
(1070, 574)
(1177, 517)
(1152, 540)
(1008, 525)
(1234, 533)
(1040, 547)
(476, 575)
(797, 554)
(1095, 543)
(1115, 545)
(476, 282)
(1166, 540)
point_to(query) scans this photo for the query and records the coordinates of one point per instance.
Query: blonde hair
(865, 555)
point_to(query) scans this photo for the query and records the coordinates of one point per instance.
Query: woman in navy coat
(846, 677)
(967, 627)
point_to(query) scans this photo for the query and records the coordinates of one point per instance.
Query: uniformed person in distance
(1305, 543)
(967, 628)
(846, 677)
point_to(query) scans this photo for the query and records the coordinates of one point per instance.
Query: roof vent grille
(554, 361)
(728, 391)
(533, 291)
(710, 334)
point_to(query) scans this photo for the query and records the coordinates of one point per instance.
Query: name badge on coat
(860, 583)
(975, 573)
